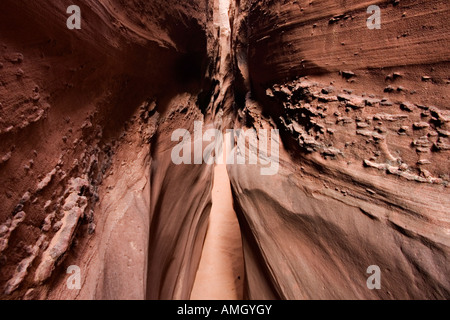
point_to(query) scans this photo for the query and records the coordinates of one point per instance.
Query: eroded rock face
(361, 182)
(86, 104)
(86, 123)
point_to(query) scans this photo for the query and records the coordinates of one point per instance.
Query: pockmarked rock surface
(87, 175)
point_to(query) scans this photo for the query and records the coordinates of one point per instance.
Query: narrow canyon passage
(221, 271)
(87, 124)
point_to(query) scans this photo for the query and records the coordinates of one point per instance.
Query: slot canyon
(360, 117)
